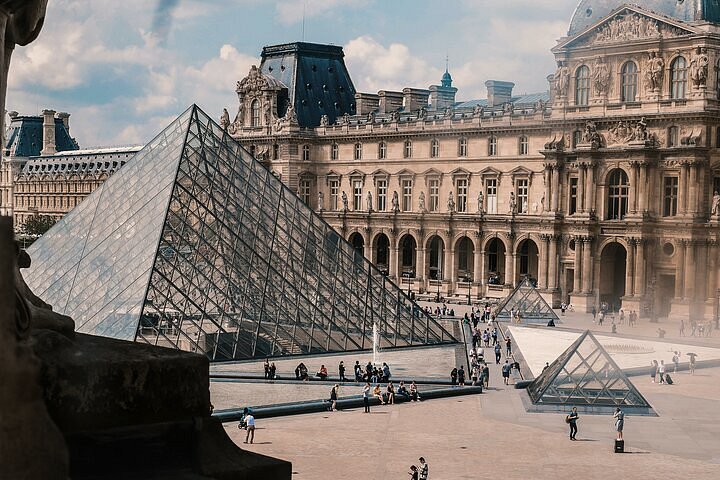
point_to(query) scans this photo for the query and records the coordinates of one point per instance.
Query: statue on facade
(448, 112)
(422, 113)
(508, 108)
(344, 201)
(699, 65)
(369, 202)
(512, 204)
(715, 204)
(421, 202)
(371, 117)
(641, 133)
(601, 77)
(654, 71)
(395, 202)
(591, 135)
(480, 202)
(239, 119)
(224, 119)
(451, 202)
(324, 121)
(478, 110)
(542, 203)
(290, 115)
(321, 201)
(561, 79)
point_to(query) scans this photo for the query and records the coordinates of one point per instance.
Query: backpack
(668, 379)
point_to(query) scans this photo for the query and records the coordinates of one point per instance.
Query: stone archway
(436, 254)
(382, 253)
(464, 259)
(613, 262)
(495, 252)
(408, 256)
(358, 242)
(527, 261)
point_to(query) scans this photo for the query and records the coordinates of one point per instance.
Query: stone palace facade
(602, 189)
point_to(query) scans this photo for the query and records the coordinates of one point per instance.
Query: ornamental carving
(654, 68)
(254, 83)
(561, 79)
(698, 67)
(601, 77)
(626, 27)
(625, 132)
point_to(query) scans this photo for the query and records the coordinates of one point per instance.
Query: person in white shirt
(423, 469)
(250, 422)
(661, 371)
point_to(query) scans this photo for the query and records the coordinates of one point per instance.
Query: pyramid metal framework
(583, 375)
(195, 245)
(526, 300)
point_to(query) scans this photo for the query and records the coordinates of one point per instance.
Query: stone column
(556, 188)
(453, 274)
(547, 177)
(509, 268)
(690, 269)
(712, 252)
(680, 270)
(447, 269)
(682, 189)
(393, 264)
(640, 268)
(587, 265)
(420, 266)
(553, 262)
(581, 189)
(634, 187)
(629, 269)
(477, 265)
(543, 263)
(590, 193)
(642, 188)
(692, 191)
(577, 274)
(483, 267)
(370, 252)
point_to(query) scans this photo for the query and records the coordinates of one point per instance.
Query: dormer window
(255, 113)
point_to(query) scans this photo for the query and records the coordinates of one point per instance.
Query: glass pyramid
(585, 375)
(526, 300)
(195, 245)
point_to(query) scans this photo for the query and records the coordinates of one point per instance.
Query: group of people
(371, 373)
(659, 372)
(478, 314)
(443, 311)
(270, 370)
(618, 419)
(388, 396)
(419, 472)
(697, 329)
(484, 338)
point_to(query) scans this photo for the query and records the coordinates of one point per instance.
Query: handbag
(567, 419)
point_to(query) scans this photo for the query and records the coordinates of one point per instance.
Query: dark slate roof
(528, 99)
(25, 137)
(589, 12)
(317, 79)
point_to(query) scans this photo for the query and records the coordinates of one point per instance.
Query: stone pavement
(491, 436)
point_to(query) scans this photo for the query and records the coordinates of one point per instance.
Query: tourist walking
(423, 469)
(682, 328)
(571, 420)
(508, 346)
(358, 371)
(661, 371)
(486, 374)
(653, 370)
(334, 397)
(498, 353)
(676, 361)
(250, 423)
(267, 369)
(453, 376)
(619, 417)
(413, 472)
(366, 397)
(506, 372)
(341, 371)
(494, 336)
(385, 372)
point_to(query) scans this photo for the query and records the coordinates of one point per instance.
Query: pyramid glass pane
(196, 245)
(528, 303)
(584, 374)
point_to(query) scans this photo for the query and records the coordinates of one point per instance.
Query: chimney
(65, 117)
(498, 92)
(366, 103)
(415, 99)
(390, 101)
(442, 97)
(48, 133)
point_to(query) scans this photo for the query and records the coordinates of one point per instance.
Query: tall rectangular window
(305, 191)
(306, 153)
(407, 195)
(492, 146)
(524, 145)
(434, 195)
(334, 151)
(357, 195)
(491, 195)
(334, 191)
(463, 147)
(462, 195)
(670, 196)
(382, 151)
(572, 201)
(522, 195)
(381, 195)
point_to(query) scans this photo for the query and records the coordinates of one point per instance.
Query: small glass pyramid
(585, 374)
(526, 301)
(195, 245)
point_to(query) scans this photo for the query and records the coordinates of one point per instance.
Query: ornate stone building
(602, 189)
(43, 170)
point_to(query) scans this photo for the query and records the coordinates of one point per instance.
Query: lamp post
(469, 282)
(439, 280)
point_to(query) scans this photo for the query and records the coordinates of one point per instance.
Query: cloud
(292, 11)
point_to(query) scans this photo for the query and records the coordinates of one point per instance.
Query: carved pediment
(254, 82)
(627, 24)
(490, 172)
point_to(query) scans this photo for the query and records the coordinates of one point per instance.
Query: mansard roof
(25, 136)
(589, 12)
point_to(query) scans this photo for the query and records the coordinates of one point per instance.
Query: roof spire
(446, 78)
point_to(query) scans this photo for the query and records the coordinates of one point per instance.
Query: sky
(125, 69)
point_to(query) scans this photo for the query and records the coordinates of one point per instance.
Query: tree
(37, 225)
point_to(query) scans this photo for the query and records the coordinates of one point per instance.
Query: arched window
(618, 189)
(582, 86)
(358, 151)
(492, 146)
(678, 78)
(334, 151)
(628, 79)
(407, 150)
(434, 148)
(255, 113)
(462, 147)
(524, 145)
(382, 150)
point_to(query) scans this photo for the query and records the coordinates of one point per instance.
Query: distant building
(43, 171)
(601, 189)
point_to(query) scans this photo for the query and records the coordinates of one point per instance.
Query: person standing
(334, 397)
(486, 374)
(250, 422)
(619, 417)
(682, 327)
(461, 376)
(358, 371)
(267, 369)
(341, 371)
(572, 419)
(273, 369)
(453, 376)
(676, 361)
(506, 372)
(423, 469)
(498, 352)
(413, 472)
(366, 397)
(661, 371)
(508, 346)
(653, 370)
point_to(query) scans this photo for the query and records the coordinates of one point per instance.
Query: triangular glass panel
(585, 374)
(195, 245)
(526, 302)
